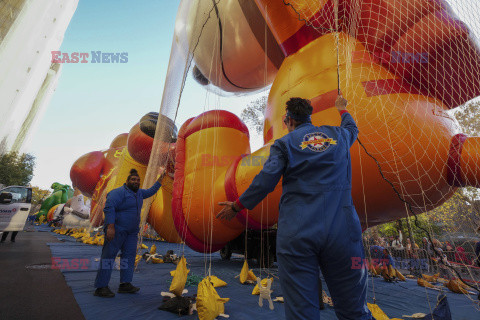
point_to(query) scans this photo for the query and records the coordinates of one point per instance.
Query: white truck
(15, 205)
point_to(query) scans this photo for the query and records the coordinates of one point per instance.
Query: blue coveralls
(318, 224)
(123, 207)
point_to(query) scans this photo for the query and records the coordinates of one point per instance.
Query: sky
(93, 103)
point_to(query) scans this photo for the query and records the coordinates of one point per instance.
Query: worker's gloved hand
(229, 210)
(110, 232)
(341, 103)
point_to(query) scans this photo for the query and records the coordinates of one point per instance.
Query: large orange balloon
(410, 151)
(86, 172)
(236, 51)
(119, 141)
(160, 214)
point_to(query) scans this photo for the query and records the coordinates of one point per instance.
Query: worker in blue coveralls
(122, 224)
(317, 225)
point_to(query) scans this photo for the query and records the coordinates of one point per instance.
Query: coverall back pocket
(353, 223)
(291, 219)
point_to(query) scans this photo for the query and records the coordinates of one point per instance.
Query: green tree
(253, 114)
(38, 195)
(16, 169)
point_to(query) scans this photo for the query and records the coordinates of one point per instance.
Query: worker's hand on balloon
(162, 173)
(341, 103)
(228, 212)
(110, 232)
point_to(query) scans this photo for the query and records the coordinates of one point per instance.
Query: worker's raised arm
(147, 193)
(348, 125)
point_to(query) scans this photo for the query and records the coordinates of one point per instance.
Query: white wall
(25, 60)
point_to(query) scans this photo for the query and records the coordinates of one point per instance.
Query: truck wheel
(226, 252)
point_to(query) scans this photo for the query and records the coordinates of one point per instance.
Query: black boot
(104, 292)
(127, 288)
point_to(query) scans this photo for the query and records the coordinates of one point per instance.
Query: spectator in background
(397, 243)
(448, 246)
(449, 251)
(427, 245)
(408, 247)
(390, 241)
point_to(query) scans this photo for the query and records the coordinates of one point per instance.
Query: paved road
(33, 292)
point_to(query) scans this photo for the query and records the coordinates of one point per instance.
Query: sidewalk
(29, 290)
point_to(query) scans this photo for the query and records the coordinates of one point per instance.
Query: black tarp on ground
(395, 299)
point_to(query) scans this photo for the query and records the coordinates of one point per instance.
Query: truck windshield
(19, 194)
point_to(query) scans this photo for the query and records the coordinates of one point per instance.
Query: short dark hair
(133, 173)
(299, 107)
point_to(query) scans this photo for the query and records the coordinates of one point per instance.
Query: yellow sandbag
(391, 271)
(156, 260)
(216, 282)
(153, 249)
(247, 274)
(431, 278)
(98, 241)
(378, 313)
(256, 290)
(400, 275)
(373, 270)
(424, 283)
(144, 246)
(172, 273)
(386, 274)
(137, 259)
(180, 278)
(456, 286)
(209, 303)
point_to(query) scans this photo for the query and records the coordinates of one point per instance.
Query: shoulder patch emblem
(317, 142)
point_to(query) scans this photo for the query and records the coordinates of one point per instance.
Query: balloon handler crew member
(122, 220)
(317, 225)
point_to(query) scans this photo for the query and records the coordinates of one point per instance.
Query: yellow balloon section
(408, 148)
